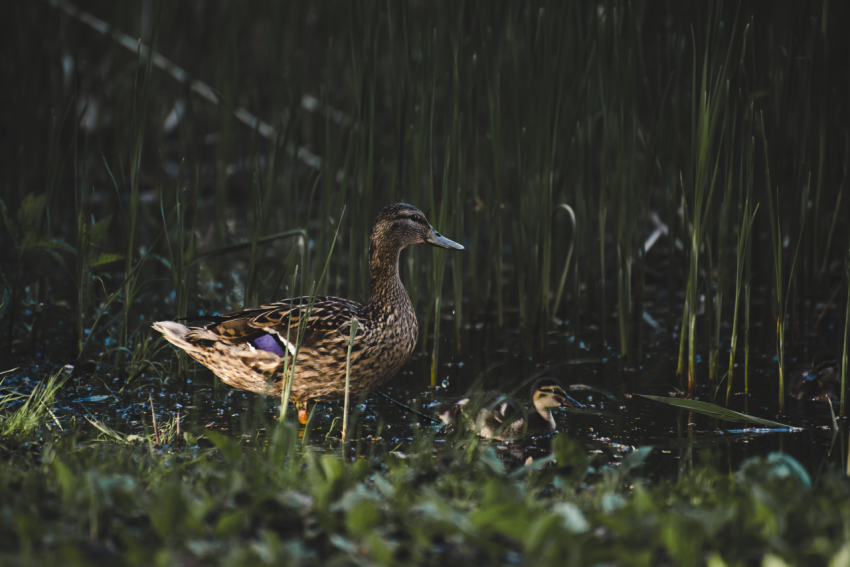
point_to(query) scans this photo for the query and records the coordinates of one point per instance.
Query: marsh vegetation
(652, 201)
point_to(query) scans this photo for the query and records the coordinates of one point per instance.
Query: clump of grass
(30, 243)
(180, 262)
(36, 411)
(782, 289)
(747, 216)
(138, 124)
(708, 104)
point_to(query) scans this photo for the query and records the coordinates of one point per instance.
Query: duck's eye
(415, 218)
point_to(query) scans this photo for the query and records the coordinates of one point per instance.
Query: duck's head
(825, 369)
(401, 225)
(548, 394)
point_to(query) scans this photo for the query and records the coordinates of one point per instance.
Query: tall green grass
(782, 292)
(709, 101)
(137, 143)
(486, 115)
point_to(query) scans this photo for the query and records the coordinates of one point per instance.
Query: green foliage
(228, 503)
(35, 409)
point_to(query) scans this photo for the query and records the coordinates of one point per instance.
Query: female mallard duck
(497, 416)
(247, 349)
(818, 383)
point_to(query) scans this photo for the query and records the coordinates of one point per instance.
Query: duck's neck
(542, 419)
(385, 285)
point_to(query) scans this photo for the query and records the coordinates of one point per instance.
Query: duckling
(498, 416)
(817, 383)
(249, 349)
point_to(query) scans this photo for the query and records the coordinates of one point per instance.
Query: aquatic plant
(208, 497)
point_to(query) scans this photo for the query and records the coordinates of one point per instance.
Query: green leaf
(6, 220)
(332, 468)
(228, 447)
(363, 518)
(29, 215)
(98, 230)
(510, 518)
(231, 523)
(4, 299)
(534, 466)
(787, 466)
(571, 517)
(775, 465)
(842, 558)
(713, 410)
(54, 244)
(834, 421)
(636, 458)
(59, 260)
(567, 451)
(105, 259)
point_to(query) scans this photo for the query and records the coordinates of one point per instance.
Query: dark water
(615, 420)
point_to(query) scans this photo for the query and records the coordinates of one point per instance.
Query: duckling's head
(548, 393)
(401, 225)
(825, 368)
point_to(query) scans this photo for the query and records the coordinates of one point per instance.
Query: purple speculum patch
(269, 343)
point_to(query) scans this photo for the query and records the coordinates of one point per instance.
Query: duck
(818, 382)
(498, 416)
(250, 349)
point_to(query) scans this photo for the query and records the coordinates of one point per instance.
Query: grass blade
(716, 411)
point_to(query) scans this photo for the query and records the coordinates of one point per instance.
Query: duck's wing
(275, 327)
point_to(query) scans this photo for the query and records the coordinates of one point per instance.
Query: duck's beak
(570, 403)
(435, 239)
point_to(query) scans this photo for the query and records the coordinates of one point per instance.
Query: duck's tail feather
(176, 334)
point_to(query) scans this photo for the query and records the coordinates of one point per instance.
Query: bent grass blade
(718, 412)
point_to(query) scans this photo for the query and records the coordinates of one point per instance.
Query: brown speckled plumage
(818, 383)
(498, 416)
(387, 328)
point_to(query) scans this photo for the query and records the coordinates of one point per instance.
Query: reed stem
(352, 334)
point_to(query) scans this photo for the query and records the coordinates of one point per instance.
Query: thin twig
(837, 205)
(408, 408)
(200, 88)
(827, 305)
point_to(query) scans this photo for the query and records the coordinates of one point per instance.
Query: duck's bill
(435, 239)
(571, 403)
